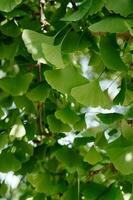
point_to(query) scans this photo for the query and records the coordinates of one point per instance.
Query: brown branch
(102, 170)
(123, 35)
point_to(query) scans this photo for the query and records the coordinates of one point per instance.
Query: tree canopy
(66, 99)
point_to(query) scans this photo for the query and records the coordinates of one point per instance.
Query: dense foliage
(66, 104)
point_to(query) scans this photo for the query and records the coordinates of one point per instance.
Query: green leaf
(65, 79)
(90, 94)
(71, 194)
(3, 140)
(53, 55)
(8, 162)
(96, 6)
(33, 42)
(80, 13)
(107, 25)
(18, 130)
(109, 118)
(24, 104)
(17, 85)
(127, 130)
(92, 156)
(93, 190)
(10, 29)
(39, 93)
(121, 7)
(8, 5)
(42, 182)
(56, 126)
(9, 51)
(3, 189)
(110, 56)
(112, 193)
(69, 159)
(120, 97)
(23, 150)
(121, 155)
(67, 116)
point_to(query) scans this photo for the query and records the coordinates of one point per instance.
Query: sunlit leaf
(90, 94)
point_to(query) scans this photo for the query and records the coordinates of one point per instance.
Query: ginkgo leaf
(96, 6)
(17, 85)
(123, 7)
(8, 162)
(53, 55)
(18, 130)
(56, 126)
(107, 25)
(80, 13)
(112, 193)
(65, 79)
(39, 93)
(33, 41)
(90, 94)
(8, 5)
(110, 56)
(92, 156)
(120, 153)
(66, 115)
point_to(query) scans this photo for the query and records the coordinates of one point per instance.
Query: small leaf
(56, 126)
(65, 79)
(18, 130)
(93, 190)
(8, 162)
(80, 13)
(41, 182)
(69, 159)
(71, 194)
(33, 41)
(120, 97)
(67, 116)
(8, 5)
(92, 156)
(107, 25)
(109, 118)
(39, 93)
(96, 6)
(53, 55)
(3, 140)
(17, 85)
(127, 130)
(90, 94)
(110, 56)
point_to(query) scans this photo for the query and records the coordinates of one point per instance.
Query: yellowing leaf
(90, 94)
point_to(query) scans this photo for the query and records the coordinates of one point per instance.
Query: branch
(124, 35)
